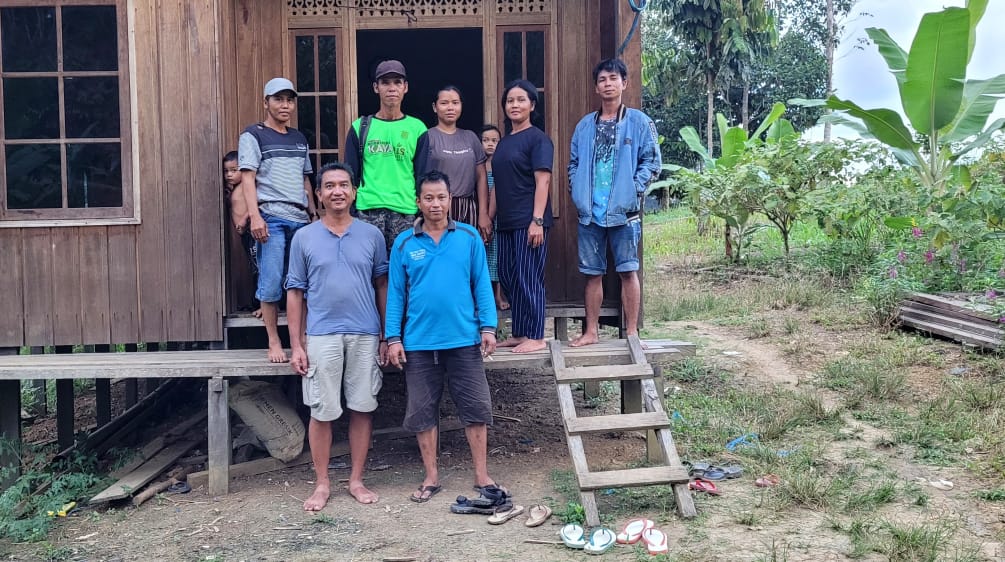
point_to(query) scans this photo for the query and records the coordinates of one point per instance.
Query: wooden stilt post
(10, 427)
(64, 413)
(103, 401)
(219, 437)
(39, 404)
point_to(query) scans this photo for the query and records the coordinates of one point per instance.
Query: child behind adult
(239, 215)
(491, 135)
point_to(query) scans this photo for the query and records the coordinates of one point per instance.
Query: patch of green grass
(790, 326)
(694, 370)
(810, 489)
(872, 378)
(994, 495)
(874, 496)
(925, 542)
(758, 328)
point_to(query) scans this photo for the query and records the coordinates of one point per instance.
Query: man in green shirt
(380, 149)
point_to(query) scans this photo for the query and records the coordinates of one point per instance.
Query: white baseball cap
(276, 85)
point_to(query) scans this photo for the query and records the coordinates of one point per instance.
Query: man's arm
(573, 157)
(249, 156)
(312, 210)
(650, 161)
(484, 207)
(380, 291)
(295, 313)
(350, 155)
(395, 309)
(420, 162)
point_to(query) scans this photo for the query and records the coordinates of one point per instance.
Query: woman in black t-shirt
(522, 167)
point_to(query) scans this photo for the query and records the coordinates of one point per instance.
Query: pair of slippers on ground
(705, 475)
(488, 496)
(603, 539)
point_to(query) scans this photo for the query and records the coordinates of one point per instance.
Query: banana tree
(949, 111)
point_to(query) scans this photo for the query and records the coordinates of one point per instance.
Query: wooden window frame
(338, 93)
(128, 213)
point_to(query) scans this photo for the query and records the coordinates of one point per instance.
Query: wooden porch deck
(218, 365)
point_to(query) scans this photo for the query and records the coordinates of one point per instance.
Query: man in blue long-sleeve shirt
(439, 282)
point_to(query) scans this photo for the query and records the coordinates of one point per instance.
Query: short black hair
(432, 176)
(230, 156)
(335, 166)
(610, 65)
(490, 127)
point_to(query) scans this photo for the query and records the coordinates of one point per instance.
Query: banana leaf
(936, 70)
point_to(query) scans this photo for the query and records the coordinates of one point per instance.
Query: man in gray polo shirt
(338, 265)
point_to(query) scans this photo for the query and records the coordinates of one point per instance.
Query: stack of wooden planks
(951, 317)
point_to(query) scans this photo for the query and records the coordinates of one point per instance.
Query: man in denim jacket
(614, 155)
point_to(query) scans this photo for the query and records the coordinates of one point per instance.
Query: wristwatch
(538, 221)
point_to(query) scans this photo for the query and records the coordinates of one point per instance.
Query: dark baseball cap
(389, 67)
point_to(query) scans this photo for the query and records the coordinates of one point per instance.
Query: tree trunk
(710, 112)
(745, 106)
(831, 40)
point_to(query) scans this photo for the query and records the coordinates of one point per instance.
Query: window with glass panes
(524, 56)
(316, 66)
(63, 111)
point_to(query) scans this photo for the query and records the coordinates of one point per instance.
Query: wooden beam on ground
(134, 481)
(64, 414)
(148, 451)
(114, 433)
(219, 448)
(10, 427)
(266, 465)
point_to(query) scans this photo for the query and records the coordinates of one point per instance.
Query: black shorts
(464, 371)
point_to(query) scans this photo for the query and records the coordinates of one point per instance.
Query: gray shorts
(337, 362)
(464, 371)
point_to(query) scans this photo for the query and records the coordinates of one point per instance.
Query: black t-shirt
(516, 159)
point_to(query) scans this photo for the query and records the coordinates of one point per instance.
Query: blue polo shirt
(336, 274)
(446, 287)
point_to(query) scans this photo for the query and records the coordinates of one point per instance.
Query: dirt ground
(262, 519)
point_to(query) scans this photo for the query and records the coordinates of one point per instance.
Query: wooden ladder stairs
(653, 418)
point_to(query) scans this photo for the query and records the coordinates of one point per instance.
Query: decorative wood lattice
(314, 8)
(523, 6)
(414, 8)
(419, 8)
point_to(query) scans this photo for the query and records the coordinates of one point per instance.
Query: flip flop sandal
(733, 471)
(491, 496)
(573, 536)
(700, 485)
(422, 497)
(767, 481)
(632, 531)
(538, 515)
(179, 488)
(714, 473)
(465, 507)
(500, 517)
(655, 541)
(698, 468)
(601, 540)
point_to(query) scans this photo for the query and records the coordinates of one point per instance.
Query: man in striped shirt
(276, 166)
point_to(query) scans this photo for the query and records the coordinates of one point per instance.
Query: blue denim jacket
(637, 163)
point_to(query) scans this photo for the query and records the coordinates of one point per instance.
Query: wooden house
(115, 114)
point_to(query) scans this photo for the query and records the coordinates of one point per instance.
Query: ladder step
(605, 373)
(648, 476)
(619, 422)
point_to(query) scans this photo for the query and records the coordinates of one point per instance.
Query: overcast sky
(861, 75)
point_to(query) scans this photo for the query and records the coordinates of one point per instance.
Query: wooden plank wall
(163, 279)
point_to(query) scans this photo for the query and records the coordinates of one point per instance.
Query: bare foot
(318, 499)
(585, 339)
(530, 345)
(361, 493)
(277, 354)
(511, 342)
(257, 313)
